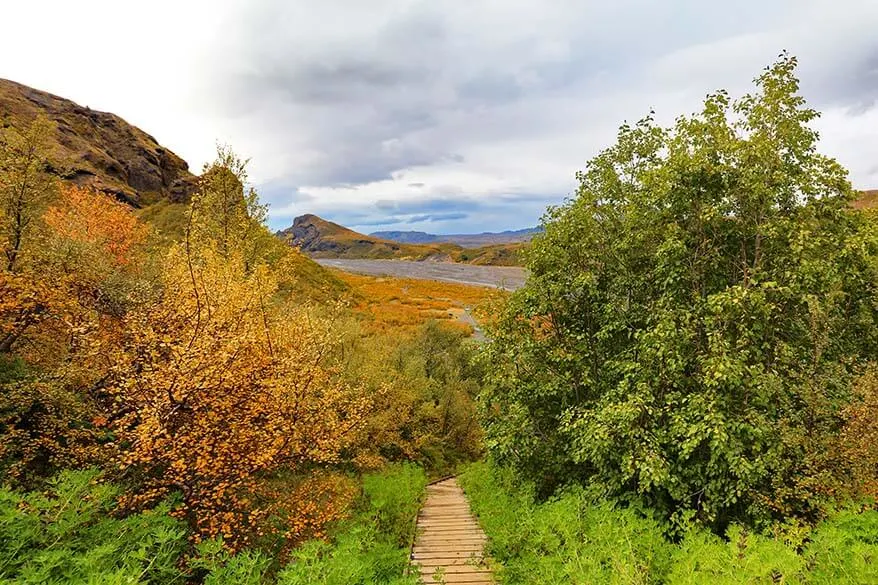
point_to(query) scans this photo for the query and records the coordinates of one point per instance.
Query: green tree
(25, 185)
(226, 212)
(694, 317)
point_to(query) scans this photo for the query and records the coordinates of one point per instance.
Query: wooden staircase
(449, 548)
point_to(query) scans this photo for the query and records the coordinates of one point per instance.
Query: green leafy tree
(25, 185)
(225, 212)
(694, 317)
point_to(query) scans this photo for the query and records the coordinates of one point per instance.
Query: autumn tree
(694, 318)
(26, 187)
(226, 211)
(59, 315)
(218, 385)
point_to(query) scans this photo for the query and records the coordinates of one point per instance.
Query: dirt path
(450, 544)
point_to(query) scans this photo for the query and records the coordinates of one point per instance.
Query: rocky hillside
(320, 238)
(99, 149)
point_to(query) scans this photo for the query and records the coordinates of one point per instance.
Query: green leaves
(694, 318)
(574, 537)
(67, 535)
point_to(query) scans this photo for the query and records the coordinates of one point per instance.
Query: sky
(442, 116)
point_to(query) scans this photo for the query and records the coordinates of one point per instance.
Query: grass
(371, 548)
(387, 303)
(168, 219)
(70, 533)
(572, 538)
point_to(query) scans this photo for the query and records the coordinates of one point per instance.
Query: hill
(99, 149)
(320, 238)
(464, 240)
(867, 200)
(103, 151)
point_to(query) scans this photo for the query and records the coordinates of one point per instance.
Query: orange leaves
(403, 303)
(24, 302)
(217, 387)
(307, 506)
(87, 217)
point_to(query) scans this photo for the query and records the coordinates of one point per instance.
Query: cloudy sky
(443, 116)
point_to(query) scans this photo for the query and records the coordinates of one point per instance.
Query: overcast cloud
(442, 116)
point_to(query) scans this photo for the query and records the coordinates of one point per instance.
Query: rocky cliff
(99, 149)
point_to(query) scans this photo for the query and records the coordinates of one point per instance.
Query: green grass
(372, 548)
(168, 219)
(70, 533)
(574, 539)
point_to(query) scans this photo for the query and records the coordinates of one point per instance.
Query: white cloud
(345, 106)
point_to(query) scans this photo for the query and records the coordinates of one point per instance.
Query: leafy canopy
(694, 317)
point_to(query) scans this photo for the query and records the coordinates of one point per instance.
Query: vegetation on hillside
(95, 149)
(71, 533)
(324, 239)
(574, 537)
(389, 304)
(685, 391)
(208, 380)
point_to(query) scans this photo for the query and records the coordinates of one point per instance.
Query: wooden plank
(450, 542)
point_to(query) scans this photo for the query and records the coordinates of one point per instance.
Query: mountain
(464, 240)
(99, 149)
(320, 238)
(867, 199)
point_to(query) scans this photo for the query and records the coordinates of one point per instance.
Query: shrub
(371, 548)
(574, 538)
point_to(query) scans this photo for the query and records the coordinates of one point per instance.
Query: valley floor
(505, 277)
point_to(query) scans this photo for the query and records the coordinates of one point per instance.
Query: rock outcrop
(100, 149)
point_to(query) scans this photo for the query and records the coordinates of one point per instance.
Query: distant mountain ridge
(321, 238)
(464, 240)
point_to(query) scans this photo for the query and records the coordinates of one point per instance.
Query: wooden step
(450, 542)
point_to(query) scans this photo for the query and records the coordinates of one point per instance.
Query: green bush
(248, 567)
(572, 538)
(66, 534)
(564, 540)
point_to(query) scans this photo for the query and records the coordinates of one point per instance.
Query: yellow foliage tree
(59, 312)
(218, 386)
(25, 186)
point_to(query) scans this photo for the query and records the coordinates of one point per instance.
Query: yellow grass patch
(407, 303)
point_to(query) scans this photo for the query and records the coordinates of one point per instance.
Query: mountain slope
(324, 239)
(867, 199)
(464, 240)
(99, 149)
(320, 238)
